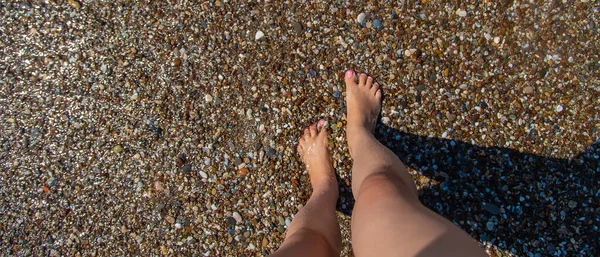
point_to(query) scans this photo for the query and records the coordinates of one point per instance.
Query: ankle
(325, 186)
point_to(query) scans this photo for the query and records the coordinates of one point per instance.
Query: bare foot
(315, 154)
(363, 101)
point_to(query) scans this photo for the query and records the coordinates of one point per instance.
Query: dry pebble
(169, 127)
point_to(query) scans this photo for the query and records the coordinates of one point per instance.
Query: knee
(380, 184)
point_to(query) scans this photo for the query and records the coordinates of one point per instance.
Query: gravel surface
(169, 127)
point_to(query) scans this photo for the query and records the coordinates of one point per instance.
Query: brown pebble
(528, 90)
(74, 4)
(297, 27)
(243, 172)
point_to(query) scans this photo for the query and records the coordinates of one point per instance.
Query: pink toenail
(349, 74)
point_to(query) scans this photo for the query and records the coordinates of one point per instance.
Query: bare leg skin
(388, 218)
(315, 230)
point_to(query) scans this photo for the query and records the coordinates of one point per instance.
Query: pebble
(186, 168)
(170, 219)
(528, 90)
(74, 4)
(490, 225)
(259, 35)
(336, 94)
(208, 98)
(297, 26)
(559, 108)
(230, 221)
(203, 174)
(243, 172)
(572, 204)
(237, 217)
(361, 18)
(377, 24)
(117, 149)
(461, 13)
(492, 208)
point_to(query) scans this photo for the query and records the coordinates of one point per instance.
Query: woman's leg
(388, 218)
(315, 230)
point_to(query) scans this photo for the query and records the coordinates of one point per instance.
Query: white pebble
(361, 17)
(237, 217)
(203, 174)
(259, 35)
(461, 13)
(559, 108)
(208, 98)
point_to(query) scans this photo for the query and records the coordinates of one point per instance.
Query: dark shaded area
(522, 203)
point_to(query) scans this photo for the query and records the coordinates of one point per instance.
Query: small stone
(563, 231)
(265, 241)
(51, 182)
(377, 24)
(186, 168)
(297, 26)
(259, 35)
(159, 207)
(492, 208)
(237, 217)
(559, 108)
(170, 219)
(490, 225)
(361, 18)
(251, 247)
(461, 13)
(118, 149)
(243, 172)
(336, 94)
(74, 4)
(158, 186)
(528, 90)
(208, 98)
(164, 250)
(572, 204)
(451, 117)
(203, 174)
(271, 152)
(230, 221)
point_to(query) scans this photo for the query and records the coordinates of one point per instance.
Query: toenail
(349, 74)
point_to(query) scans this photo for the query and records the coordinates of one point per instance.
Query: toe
(306, 133)
(350, 78)
(378, 94)
(362, 80)
(313, 130)
(320, 125)
(369, 82)
(374, 88)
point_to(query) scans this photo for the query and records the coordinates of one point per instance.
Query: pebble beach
(169, 128)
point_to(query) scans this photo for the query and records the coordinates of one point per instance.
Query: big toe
(350, 78)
